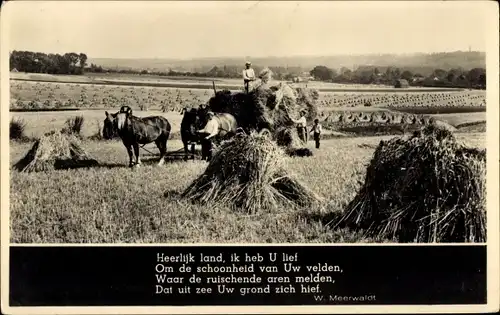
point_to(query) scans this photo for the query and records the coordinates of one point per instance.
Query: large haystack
(248, 172)
(427, 188)
(55, 150)
(270, 107)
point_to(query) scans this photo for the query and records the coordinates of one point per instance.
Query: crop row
(38, 95)
(424, 99)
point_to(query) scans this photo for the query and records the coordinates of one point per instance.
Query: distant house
(401, 83)
(14, 70)
(304, 79)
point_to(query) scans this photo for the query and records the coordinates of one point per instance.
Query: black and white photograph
(250, 122)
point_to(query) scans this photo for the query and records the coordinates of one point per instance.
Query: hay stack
(266, 75)
(270, 107)
(428, 188)
(288, 105)
(248, 172)
(54, 150)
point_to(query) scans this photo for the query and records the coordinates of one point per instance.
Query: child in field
(317, 132)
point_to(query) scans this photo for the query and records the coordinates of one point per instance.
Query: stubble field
(113, 203)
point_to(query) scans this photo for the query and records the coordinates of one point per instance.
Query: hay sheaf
(269, 107)
(55, 150)
(248, 172)
(427, 188)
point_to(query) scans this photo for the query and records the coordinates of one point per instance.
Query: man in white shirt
(211, 130)
(302, 126)
(248, 75)
(317, 129)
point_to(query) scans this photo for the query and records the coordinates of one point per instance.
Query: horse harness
(220, 125)
(221, 128)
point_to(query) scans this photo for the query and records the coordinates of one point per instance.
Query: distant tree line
(37, 62)
(76, 63)
(458, 77)
(226, 71)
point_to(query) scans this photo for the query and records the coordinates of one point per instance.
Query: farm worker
(211, 129)
(248, 76)
(302, 126)
(317, 129)
(212, 126)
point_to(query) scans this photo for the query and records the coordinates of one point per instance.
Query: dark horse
(189, 124)
(134, 131)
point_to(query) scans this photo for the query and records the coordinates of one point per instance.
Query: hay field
(29, 98)
(31, 95)
(112, 203)
(184, 81)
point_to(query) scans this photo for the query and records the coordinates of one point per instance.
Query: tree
(82, 60)
(397, 73)
(456, 71)
(474, 75)
(389, 75)
(407, 75)
(440, 73)
(482, 79)
(344, 70)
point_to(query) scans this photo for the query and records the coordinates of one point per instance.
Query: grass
(457, 119)
(442, 109)
(38, 123)
(113, 203)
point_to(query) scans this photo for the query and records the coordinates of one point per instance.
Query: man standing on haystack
(248, 76)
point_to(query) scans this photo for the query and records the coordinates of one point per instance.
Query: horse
(189, 124)
(217, 126)
(135, 130)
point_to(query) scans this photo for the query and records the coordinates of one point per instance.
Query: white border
(493, 293)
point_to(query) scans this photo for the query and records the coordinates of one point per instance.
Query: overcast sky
(163, 29)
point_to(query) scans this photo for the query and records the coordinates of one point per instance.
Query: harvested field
(458, 120)
(32, 95)
(112, 203)
(38, 123)
(423, 102)
(102, 205)
(479, 126)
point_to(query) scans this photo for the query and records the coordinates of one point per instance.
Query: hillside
(424, 62)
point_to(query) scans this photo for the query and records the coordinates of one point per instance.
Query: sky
(184, 30)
